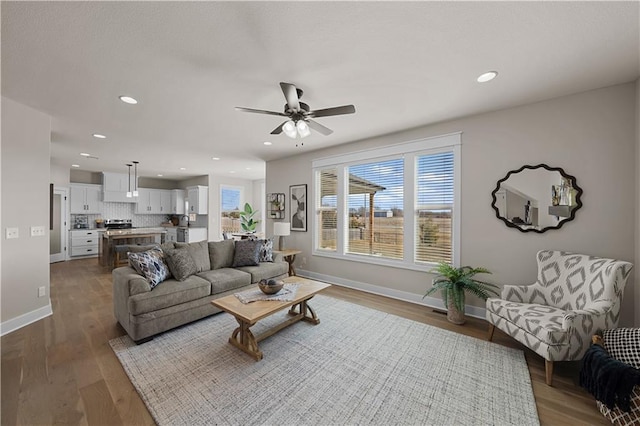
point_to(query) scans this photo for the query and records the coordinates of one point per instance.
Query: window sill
(380, 261)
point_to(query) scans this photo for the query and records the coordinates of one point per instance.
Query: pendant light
(135, 179)
(129, 195)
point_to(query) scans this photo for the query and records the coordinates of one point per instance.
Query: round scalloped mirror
(536, 198)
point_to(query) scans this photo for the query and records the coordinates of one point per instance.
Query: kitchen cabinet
(84, 242)
(172, 235)
(198, 197)
(85, 199)
(115, 187)
(153, 201)
(177, 201)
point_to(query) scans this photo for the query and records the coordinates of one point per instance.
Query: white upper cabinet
(177, 201)
(198, 199)
(85, 199)
(116, 186)
(153, 201)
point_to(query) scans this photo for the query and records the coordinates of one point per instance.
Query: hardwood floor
(61, 370)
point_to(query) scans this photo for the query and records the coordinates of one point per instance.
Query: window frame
(409, 151)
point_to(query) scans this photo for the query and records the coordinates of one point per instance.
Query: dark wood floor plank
(61, 370)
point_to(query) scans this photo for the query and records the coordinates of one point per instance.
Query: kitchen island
(116, 237)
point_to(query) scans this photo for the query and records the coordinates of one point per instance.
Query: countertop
(135, 231)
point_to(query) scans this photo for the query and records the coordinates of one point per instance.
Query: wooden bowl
(271, 288)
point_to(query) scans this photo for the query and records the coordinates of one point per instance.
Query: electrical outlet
(41, 291)
(12, 233)
(304, 260)
(37, 231)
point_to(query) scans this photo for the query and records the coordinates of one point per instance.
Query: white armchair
(575, 296)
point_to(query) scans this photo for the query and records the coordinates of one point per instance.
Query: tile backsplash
(127, 211)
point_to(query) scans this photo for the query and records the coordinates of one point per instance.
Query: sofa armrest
(596, 312)
(277, 257)
(127, 279)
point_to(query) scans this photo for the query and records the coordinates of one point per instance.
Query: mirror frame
(551, 169)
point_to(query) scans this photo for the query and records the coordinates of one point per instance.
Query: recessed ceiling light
(267, 143)
(487, 76)
(215, 158)
(84, 154)
(128, 100)
(160, 175)
(75, 165)
(183, 168)
(247, 168)
(99, 136)
(232, 171)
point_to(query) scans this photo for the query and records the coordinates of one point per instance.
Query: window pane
(375, 209)
(434, 210)
(230, 200)
(327, 213)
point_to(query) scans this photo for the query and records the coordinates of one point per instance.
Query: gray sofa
(144, 311)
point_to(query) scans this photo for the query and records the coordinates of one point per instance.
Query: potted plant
(247, 221)
(454, 282)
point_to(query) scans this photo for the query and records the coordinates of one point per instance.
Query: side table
(289, 255)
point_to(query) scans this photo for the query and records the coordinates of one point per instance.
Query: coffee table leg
(243, 339)
(308, 314)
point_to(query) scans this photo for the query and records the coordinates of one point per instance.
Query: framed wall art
(298, 209)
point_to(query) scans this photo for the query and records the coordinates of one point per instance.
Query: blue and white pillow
(151, 265)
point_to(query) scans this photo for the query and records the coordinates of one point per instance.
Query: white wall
(591, 135)
(25, 203)
(59, 174)
(637, 263)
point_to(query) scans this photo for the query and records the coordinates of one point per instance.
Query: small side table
(289, 255)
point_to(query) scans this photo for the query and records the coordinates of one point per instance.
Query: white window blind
(327, 214)
(434, 207)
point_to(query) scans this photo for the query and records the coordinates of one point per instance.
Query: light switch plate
(12, 233)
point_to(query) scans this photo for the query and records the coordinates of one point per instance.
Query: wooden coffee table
(249, 314)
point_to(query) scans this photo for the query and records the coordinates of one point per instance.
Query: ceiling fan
(299, 116)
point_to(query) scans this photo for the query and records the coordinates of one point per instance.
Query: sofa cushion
(181, 263)
(168, 245)
(169, 293)
(199, 252)
(266, 270)
(151, 265)
(266, 250)
(225, 279)
(221, 253)
(247, 253)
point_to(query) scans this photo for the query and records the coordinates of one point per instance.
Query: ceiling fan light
(303, 129)
(289, 129)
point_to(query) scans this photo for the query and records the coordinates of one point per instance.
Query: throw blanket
(608, 379)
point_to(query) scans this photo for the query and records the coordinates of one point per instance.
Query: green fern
(452, 283)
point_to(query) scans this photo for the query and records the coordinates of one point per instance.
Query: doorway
(58, 232)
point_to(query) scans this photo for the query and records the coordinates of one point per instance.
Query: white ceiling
(402, 64)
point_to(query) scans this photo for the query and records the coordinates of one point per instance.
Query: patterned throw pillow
(266, 251)
(181, 263)
(624, 345)
(247, 253)
(151, 265)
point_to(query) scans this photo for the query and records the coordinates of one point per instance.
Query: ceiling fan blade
(278, 129)
(261, 111)
(291, 95)
(345, 109)
(318, 127)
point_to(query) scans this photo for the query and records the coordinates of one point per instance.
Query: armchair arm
(596, 312)
(519, 293)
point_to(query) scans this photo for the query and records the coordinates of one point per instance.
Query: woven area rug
(358, 366)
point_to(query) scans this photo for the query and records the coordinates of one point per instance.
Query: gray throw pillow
(180, 262)
(199, 252)
(266, 250)
(221, 253)
(247, 253)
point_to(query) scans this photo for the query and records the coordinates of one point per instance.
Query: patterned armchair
(574, 296)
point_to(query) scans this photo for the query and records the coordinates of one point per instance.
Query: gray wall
(591, 135)
(637, 263)
(25, 203)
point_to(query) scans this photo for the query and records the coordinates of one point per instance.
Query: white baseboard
(432, 302)
(25, 319)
